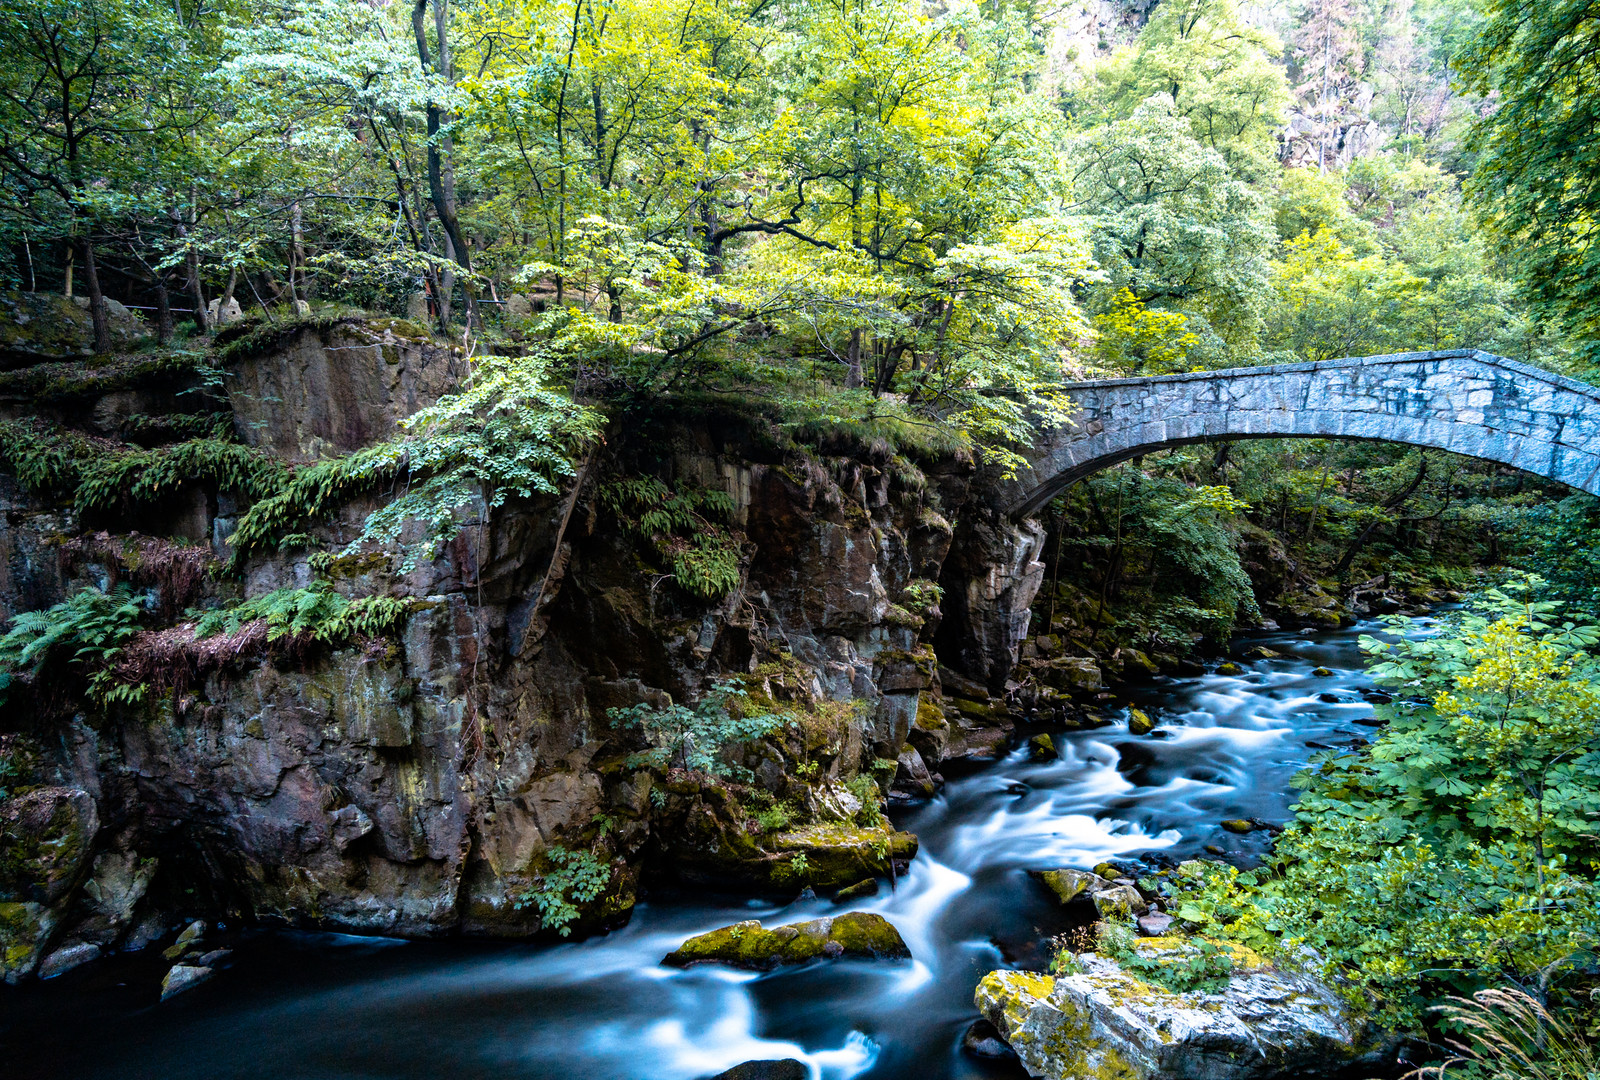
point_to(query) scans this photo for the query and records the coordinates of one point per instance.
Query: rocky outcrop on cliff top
(47, 326)
(1103, 1022)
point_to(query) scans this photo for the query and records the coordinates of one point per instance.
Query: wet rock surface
(855, 935)
(1103, 1022)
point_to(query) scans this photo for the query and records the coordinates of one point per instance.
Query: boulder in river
(1119, 902)
(856, 934)
(183, 977)
(1104, 1023)
(1071, 885)
(769, 1069)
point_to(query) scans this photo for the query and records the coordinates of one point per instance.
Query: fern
(705, 562)
(44, 462)
(145, 476)
(313, 494)
(88, 629)
(507, 435)
(316, 613)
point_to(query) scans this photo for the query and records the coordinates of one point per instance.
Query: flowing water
(331, 1007)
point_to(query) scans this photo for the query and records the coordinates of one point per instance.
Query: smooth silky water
(330, 1007)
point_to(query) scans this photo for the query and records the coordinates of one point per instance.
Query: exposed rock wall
(328, 387)
(424, 785)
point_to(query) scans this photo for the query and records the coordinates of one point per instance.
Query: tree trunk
(97, 301)
(441, 150)
(853, 379)
(163, 311)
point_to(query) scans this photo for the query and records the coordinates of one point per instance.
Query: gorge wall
(435, 780)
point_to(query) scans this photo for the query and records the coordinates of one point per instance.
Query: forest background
(909, 218)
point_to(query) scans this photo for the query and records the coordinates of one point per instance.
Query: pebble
(983, 1041)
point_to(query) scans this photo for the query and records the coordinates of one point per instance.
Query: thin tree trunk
(441, 150)
(163, 311)
(97, 300)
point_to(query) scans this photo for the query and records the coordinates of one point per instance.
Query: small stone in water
(1238, 825)
(1329, 699)
(1322, 673)
(183, 977)
(1042, 747)
(866, 887)
(982, 1040)
(1139, 722)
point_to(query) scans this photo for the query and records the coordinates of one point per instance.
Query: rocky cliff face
(437, 781)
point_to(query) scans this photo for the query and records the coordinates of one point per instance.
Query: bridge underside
(1465, 402)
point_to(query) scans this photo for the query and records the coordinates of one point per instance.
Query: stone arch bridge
(1462, 400)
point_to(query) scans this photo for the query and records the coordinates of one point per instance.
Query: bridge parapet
(1462, 400)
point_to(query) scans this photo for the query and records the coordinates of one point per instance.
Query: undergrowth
(688, 528)
(315, 613)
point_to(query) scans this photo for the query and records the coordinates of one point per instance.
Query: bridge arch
(1461, 400)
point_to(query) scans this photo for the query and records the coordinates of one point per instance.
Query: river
(299, 1006)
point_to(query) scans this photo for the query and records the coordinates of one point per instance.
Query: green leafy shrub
(693, 737)
(573, 878)
(865, 788)
(1196, 965)
(775, 819)
(1457, 851)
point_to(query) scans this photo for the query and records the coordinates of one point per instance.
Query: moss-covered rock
(1102, 1023)
(1071, 885)
(1042, 748)
(857, 934)
(1139, 722)
(46, 843)
(47, 326)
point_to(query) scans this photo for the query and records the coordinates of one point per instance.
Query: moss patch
(856, 934)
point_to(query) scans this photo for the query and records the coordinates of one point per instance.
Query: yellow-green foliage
(316, 612)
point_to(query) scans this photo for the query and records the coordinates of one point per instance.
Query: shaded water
(321, 1007)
